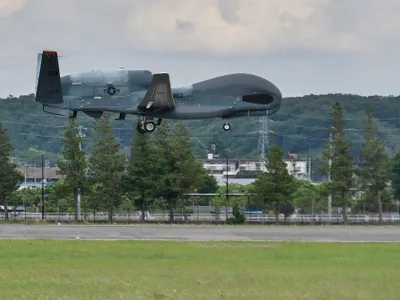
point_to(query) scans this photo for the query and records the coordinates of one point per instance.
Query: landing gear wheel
(226, 126)
(140, 129)
(149, 126)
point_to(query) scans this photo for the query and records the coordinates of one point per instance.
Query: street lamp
(42, 186)
(329, 173)
(227, 182)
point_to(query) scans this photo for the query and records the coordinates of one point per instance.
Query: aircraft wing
(159, 94)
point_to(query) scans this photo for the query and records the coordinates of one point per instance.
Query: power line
(210, 136)
(264, 124)
(314, 116)
(195, 136)
(279, 124)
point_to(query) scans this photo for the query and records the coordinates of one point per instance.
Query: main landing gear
(226, 126)
(147, 124)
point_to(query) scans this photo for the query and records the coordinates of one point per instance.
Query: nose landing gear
(226, 126)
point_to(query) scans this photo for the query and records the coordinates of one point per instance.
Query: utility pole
(79, 204)
(398, 206)
(81, 135)
(329, 176)
(34, 172)
(42, 186)
(227, 190)
(26, 176)
(26, 171)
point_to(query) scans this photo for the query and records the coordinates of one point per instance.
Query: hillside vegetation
(299, 127)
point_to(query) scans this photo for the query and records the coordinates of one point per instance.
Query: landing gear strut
(72, 115)
(226, 127)
(140, 128)
(147, 124)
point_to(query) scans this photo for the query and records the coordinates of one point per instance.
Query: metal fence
(198, 217)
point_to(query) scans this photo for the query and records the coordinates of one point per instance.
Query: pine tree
(342, 169)
(276, 185)
(106, 166)
(141, 176)
(375, 165)
(395, 175)
(179, 172)
(92, 198)
(10, 178)
(210, 184)
(74, 165)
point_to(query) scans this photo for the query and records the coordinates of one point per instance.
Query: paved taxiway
(202, 233)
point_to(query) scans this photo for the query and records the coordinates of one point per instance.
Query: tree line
(300, 128)
(162, 169)
(373, 179)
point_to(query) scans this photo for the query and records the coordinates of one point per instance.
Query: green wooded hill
(299, 127)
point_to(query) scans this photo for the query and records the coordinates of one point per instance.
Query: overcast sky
(303, 46)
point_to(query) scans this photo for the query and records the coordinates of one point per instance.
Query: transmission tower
(263, 138)
(81, 134)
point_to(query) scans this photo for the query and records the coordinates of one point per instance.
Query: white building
(298, 168)
(235, 167)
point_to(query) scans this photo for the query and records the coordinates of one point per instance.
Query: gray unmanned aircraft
(150, 96)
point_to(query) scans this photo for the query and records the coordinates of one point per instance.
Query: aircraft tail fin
(159, 94)
(48, 81)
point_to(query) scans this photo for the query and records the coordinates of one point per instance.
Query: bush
(238, 217)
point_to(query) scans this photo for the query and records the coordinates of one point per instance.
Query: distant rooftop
(32, 172)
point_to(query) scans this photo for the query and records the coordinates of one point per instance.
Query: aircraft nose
(267, 93)
(272, 90)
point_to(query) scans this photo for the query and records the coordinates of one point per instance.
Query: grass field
(198, 270)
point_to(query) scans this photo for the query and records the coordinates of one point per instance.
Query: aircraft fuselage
(150, 96)
(227, 96)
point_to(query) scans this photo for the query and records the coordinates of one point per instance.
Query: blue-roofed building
(33, 176)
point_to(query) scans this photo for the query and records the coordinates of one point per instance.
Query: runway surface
(202, 233)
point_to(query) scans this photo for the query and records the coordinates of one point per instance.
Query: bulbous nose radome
(252, 88)
(265, 92)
